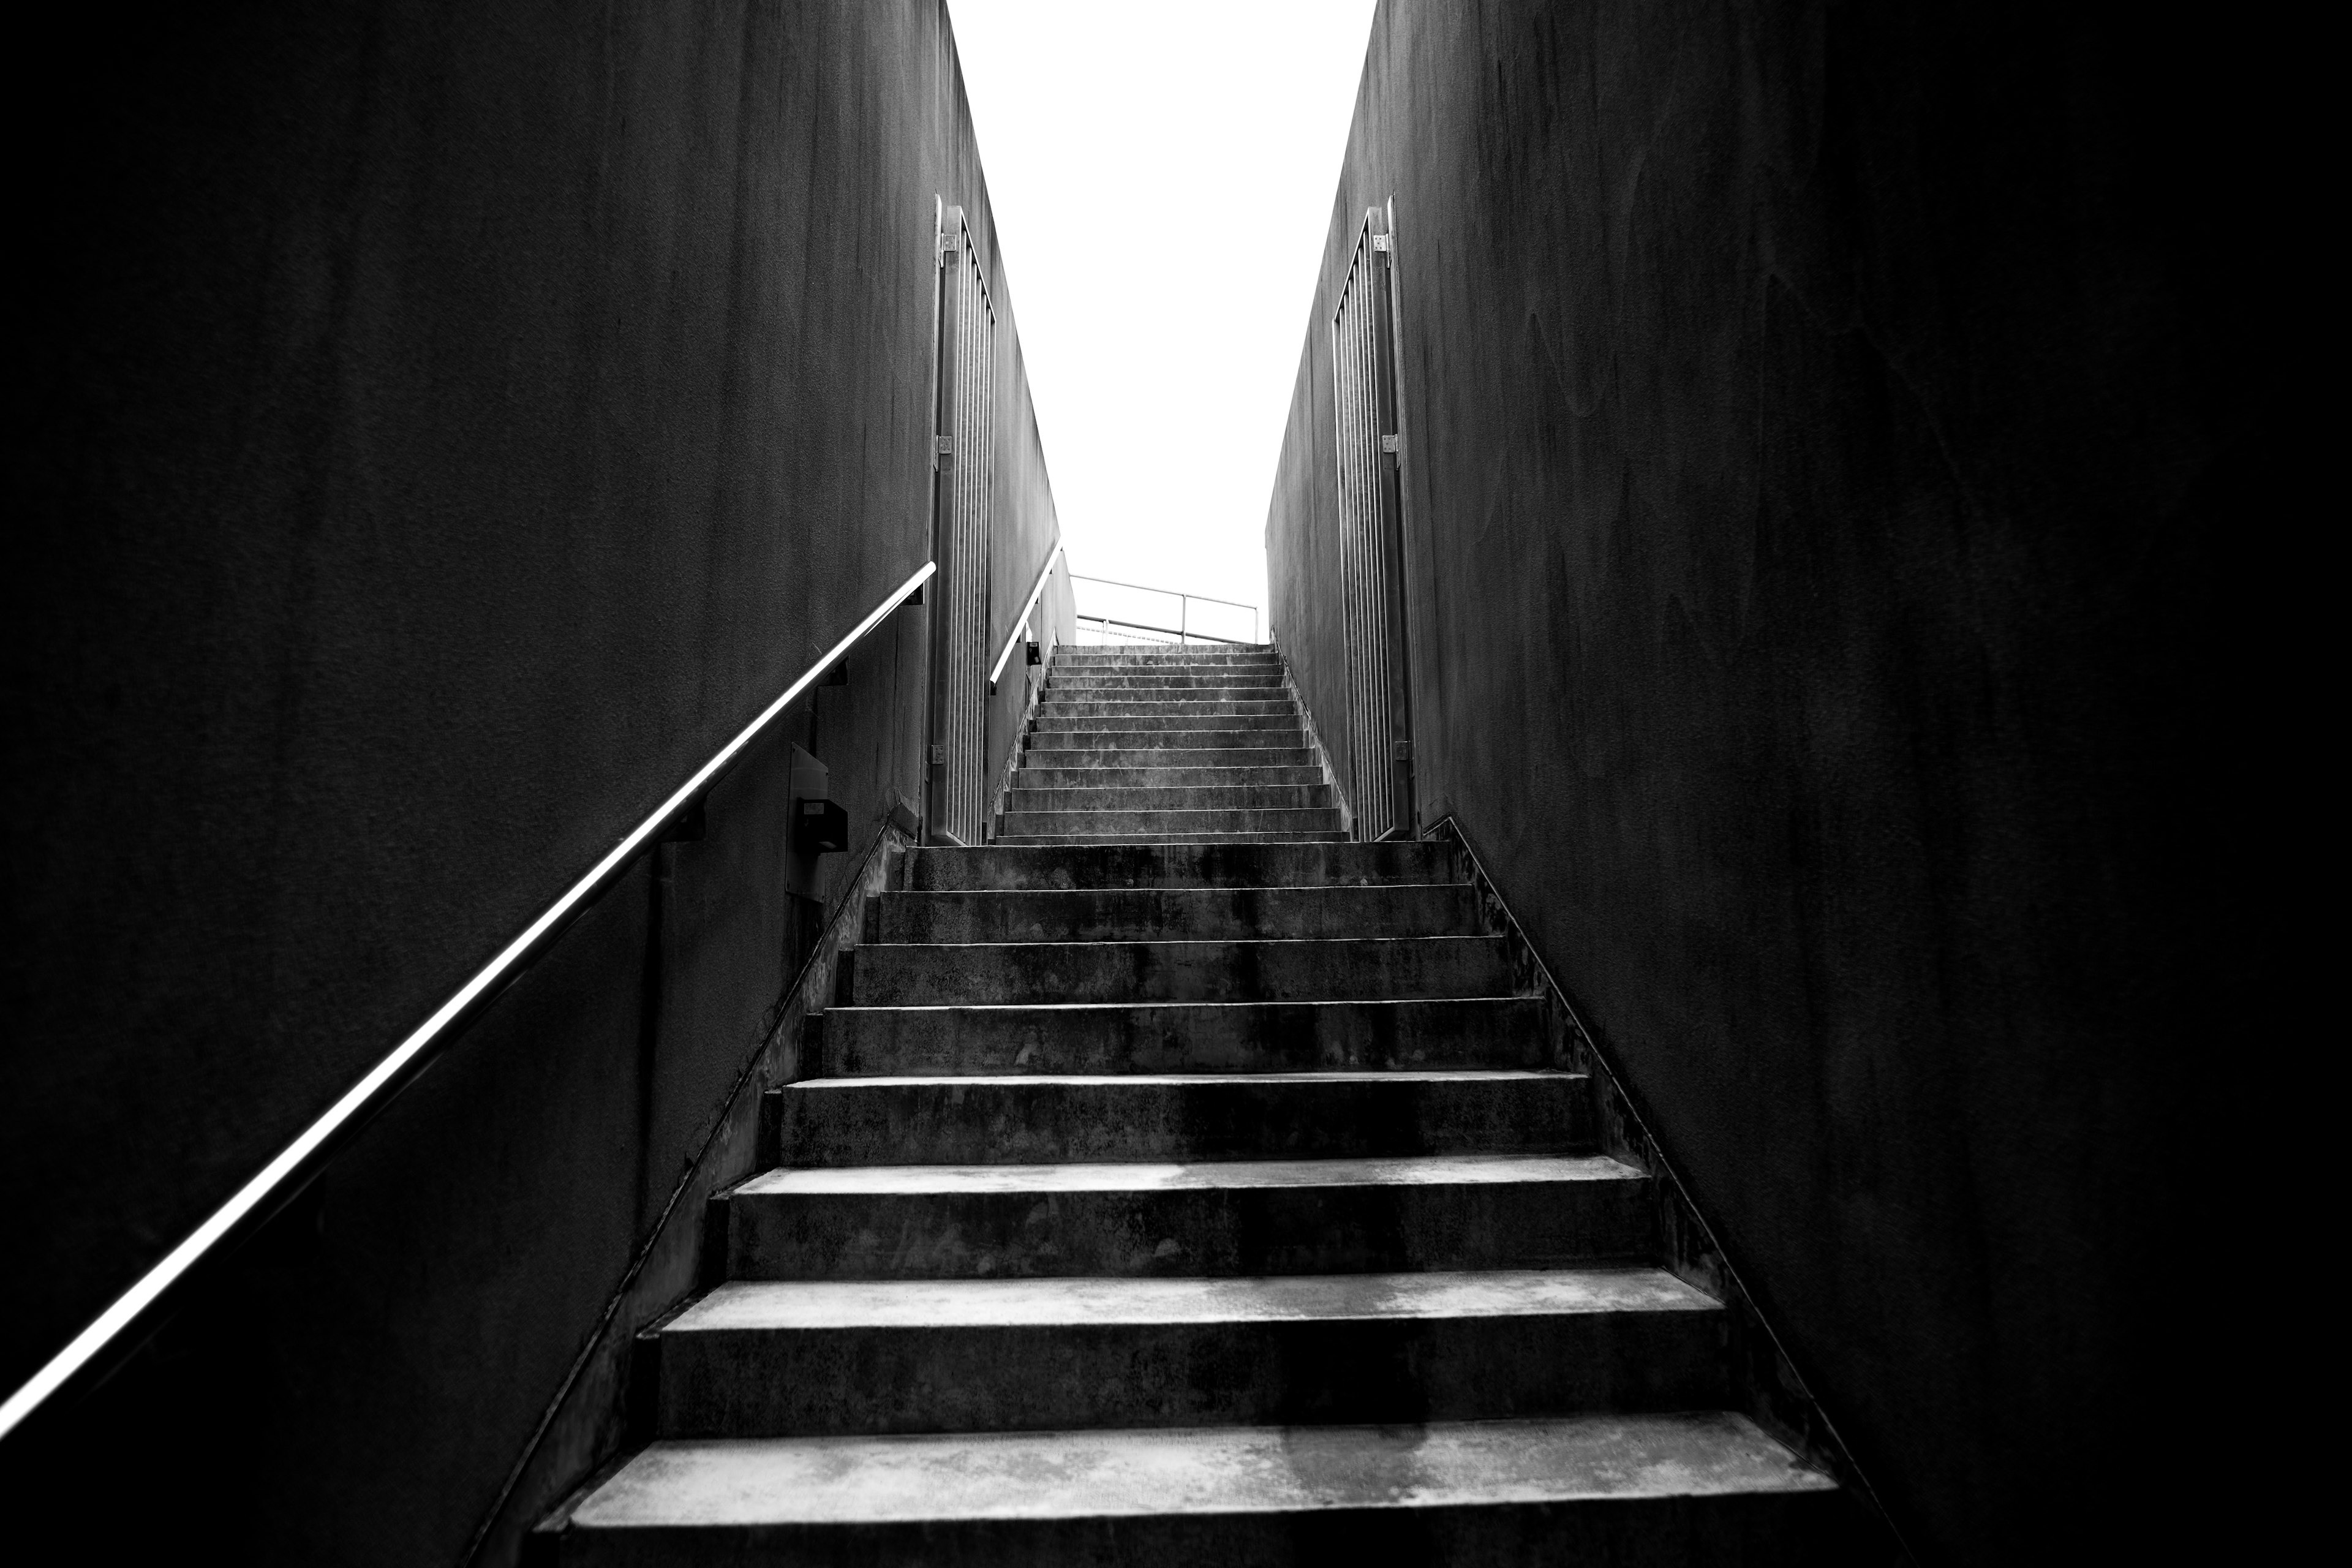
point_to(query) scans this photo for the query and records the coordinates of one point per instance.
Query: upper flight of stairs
(1191, 1203)
(1192, 746)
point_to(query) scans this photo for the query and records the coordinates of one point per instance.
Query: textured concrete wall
(1829, 438)
(432, 430)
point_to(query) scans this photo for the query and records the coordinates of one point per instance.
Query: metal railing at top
(1182, 630)
(86, 1356)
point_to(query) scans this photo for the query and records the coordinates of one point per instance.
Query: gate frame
(1375, 259)
(952, 241)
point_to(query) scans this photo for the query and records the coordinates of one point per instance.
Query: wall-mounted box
(819, 828)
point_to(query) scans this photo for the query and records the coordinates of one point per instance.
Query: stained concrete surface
(1139, 1177)
(1248, 1287)
(1291, 970)
(1189, 1036)
(433, 431)
(743, 1306)
(1022, 1120)
(775, 1358)
(1232, 1216)
(1838, 450)
(1028, 1474)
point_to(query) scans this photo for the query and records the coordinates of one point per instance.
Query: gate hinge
(938, 756)
(943, 453)
(1392, 444)
(1404, 751)
(1381, 242)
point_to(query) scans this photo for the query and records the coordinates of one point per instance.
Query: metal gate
(1371, 542)
(963, 471)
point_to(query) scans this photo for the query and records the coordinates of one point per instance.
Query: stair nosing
(1120, 1301)
(1188, 1176)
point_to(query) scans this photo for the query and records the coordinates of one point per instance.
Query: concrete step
(1092, 706)
(1136, 720)
(883, 974)
(1073, 749)
(1082, 825)
(1207, 866)
(1219, 1217)
(1231, 670)
(1035, 776)
(1091, 758)
(1064, 712)
(1633, 1490)
(772, 1358)
(1185, 1036)
(1081, 840)
(1139, 914)
(1200, 671)
(1032, 1118)
(1236, 683)
(1144, 743)
(1169, 659)
(1024, 796)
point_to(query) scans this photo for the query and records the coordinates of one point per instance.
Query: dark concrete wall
(1835, 443)
(432, 430)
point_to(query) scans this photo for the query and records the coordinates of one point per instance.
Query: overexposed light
(1162, 177)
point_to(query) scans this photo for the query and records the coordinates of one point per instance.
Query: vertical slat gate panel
(1377, 721)
(968, 355)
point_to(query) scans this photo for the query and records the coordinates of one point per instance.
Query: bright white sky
(1162, 177)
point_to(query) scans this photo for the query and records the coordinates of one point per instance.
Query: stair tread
(756, 1306)
(1346, 1002)
(1209, 1470)
(1187, 1079)
(1326, 942)
(1217, 896)
(1426, 1170)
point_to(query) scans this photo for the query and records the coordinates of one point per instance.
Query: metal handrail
(1183, 609)
(1172, 631)
(1035, 589)
(302, 1159)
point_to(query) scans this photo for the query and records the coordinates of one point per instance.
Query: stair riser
(1103, 687)
(1064, 713)
(756, 1383)
(1133, 749)
(1026, 799)
(1116, 759)
(1274, 1037)
(1255, 677)
(1220, 1231)
(1749, 1529)
(1279, 819)
(1048, 775)
(1204, 865)
(836, 1122)
(889, 976)
(1126, 717)
(1189, 836)
(1167, 914)
(1144, 722)
(1170, 674)
(1148, 662)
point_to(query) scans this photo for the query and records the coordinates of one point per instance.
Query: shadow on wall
(1816, 449)
(436, 436)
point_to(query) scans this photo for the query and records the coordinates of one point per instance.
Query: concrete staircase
(1190, 1203)
(1155, 748)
